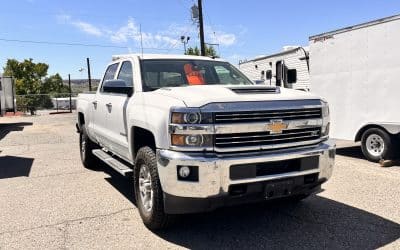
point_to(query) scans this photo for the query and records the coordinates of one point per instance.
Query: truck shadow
(354, 151)
(13, 166)
(6, 128)
(314, 223)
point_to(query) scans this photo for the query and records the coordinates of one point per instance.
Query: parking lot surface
(49, 201)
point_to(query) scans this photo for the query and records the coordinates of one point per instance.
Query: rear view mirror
(117, 86)
(268, 75)
(291, 76)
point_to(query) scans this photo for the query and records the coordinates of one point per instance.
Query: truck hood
(197, 96)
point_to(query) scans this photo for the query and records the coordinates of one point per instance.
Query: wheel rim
(375, 145)
(145, 189)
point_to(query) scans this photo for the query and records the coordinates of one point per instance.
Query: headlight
(325, 119)
(325, 110)
(191, 117)
(190, 129)
(191, 140)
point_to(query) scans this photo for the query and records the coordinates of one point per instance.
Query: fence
(51, 102)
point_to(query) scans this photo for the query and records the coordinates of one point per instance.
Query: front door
(101, 110)
(117, 114)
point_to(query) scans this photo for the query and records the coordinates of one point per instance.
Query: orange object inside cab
(194, 77)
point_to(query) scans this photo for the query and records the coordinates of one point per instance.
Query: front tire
(377, 144)
(148, 192)
(89, 160)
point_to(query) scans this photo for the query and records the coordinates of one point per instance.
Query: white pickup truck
(195, 134)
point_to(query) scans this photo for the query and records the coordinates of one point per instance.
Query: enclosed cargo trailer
(357, 70)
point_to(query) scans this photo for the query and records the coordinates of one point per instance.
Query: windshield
(176, 73)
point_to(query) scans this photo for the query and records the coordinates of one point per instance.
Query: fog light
(184, 171)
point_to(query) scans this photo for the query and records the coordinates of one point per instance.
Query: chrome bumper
(214, 171)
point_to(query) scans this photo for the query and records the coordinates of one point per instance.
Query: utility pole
(202, 45)
(88, 71)
(70, 93)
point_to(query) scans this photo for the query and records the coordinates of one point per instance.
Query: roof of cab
(162, 56)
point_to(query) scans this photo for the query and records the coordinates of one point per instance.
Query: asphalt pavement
(49, 201)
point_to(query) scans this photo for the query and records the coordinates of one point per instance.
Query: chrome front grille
(250, 130)
(265, 139)
(267, 115)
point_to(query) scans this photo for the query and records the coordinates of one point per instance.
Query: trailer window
(291, 75)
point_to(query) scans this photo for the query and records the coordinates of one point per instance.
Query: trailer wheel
(148, 192)
(377, 144)
(89, 160)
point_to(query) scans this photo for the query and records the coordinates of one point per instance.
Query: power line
(60, 43)
(80, 44)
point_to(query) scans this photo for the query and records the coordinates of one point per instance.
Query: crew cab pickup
(194, 134)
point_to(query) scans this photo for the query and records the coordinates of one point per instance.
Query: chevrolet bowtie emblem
(276, 126)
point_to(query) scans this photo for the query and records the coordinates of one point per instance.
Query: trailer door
(279, 73)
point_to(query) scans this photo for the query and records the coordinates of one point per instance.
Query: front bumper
(214, 180)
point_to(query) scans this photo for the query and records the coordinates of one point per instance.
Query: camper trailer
(356, 69)
(289, 68)
(7, 95)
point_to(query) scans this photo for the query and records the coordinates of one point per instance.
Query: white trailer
(289, 68)
(357, 70)
(7, 100)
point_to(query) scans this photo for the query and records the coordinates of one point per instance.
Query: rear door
(100, 108)
(117, 113)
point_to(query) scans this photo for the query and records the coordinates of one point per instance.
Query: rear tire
(89, 160)
(148, 192)
(377, 144)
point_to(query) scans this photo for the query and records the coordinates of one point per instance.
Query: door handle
(109, 105)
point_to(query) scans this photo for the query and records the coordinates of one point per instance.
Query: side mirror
(268, 75)
(117, 86)
(291, 76)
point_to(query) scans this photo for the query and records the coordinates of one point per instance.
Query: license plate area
(280, 188)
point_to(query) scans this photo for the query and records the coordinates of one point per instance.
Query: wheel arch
(141, 137)
(81, 121)
(391, 129)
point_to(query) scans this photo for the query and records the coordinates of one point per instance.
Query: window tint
(126, 74)
(110, 72)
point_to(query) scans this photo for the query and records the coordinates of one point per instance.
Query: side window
(126, 73)
(110, 72)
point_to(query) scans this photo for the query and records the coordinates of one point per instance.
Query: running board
(113, 162)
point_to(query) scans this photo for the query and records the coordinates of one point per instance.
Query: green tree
(31, 81)
(54, 84)
(210, 51)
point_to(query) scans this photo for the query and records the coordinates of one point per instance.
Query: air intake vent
(259, 90)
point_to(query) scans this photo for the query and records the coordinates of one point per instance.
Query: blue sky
(243, 29)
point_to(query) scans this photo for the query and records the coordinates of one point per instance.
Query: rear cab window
(110, 73)
(126, 73)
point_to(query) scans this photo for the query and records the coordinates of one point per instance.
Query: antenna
(141, 38)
